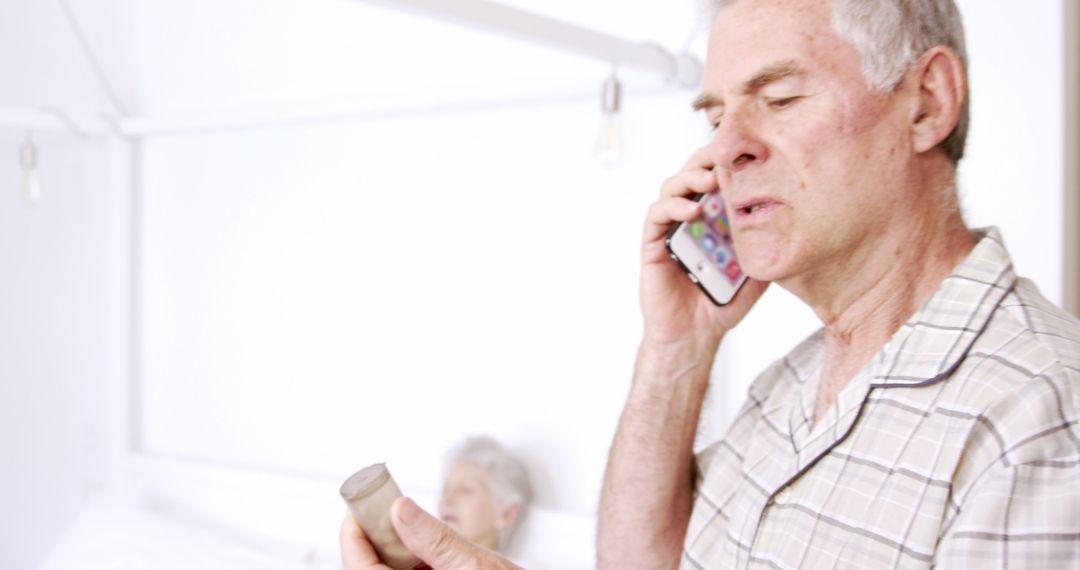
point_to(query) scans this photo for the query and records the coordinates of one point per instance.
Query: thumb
(430, 539)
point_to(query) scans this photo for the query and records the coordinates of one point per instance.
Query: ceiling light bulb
(608, 149)
(28, 162)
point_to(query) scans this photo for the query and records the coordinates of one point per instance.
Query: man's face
(811, 160)
(468, 506)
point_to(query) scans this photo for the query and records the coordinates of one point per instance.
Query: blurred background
(250, 246)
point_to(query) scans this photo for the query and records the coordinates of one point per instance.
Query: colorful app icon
(733, 271)
(697, 229)
(708, 243)
(723, 224)
(721, 257)
(712, 206)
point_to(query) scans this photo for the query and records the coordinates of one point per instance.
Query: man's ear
(941, 96)
(509, 516)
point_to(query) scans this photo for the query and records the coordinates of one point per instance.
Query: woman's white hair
(509, 478)
(890, 35)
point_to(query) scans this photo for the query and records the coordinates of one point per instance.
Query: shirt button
(783, 497)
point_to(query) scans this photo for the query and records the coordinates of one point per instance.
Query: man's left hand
(427, 537)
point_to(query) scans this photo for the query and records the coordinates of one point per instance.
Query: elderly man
(934, 420)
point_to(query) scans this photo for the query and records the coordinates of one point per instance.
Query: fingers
(696, 176)
(674, 205)
(428, 538)
(689, 182)
(356, 552)
(665, 212)
(435, 543)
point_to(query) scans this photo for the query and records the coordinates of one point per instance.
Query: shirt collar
(930, 345)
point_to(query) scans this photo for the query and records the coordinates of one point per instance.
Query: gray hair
(509, 478)
(890, 35)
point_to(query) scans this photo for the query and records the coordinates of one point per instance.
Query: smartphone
(704, 250)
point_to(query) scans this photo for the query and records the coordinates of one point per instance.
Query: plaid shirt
(957, 446)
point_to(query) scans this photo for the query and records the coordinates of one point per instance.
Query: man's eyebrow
(770, 74)
(706, 101)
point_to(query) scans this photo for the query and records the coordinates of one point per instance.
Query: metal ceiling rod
(682, 69)
(51, 119)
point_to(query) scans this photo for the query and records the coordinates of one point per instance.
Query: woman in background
(485, 491)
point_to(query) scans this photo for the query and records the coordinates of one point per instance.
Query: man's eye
(782, 102)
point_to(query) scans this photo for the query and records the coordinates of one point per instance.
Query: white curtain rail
(682, 69)
(338, 111)
(49, 119)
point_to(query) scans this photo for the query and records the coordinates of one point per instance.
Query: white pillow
(111, 534)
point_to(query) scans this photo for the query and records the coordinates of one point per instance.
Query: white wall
(59, 338)
(1014, 174)
(320, 298)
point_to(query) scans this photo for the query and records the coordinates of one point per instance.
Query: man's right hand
(676, 312)
(647, 496)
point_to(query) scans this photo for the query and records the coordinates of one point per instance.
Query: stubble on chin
(760, 255)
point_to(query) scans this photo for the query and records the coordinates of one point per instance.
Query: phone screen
(712, 235)
(705, 251)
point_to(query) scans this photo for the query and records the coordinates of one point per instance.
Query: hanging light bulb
(28, 163)
(608, 149)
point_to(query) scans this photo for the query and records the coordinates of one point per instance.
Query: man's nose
(736, 143)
